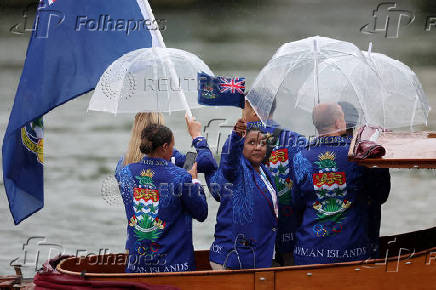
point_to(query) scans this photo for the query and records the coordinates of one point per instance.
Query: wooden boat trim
(401, 156)
(247, 271)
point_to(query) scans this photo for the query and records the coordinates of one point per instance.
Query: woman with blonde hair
(205, 160)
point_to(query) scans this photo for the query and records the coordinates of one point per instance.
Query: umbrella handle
(143, 4)
(185, 103)
(147, 12)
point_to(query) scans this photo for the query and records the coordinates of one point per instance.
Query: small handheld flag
(221, 91)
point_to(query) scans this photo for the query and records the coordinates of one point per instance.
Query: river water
(82, 148)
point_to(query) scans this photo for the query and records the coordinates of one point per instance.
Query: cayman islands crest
(331, 189)
(147, 225)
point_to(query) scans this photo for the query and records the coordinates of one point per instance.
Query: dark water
(233, 38)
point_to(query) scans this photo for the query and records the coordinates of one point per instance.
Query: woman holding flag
(246, 226)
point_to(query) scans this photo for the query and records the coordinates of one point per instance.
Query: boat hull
(409, 264)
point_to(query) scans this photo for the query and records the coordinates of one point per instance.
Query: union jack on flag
(221, 91)
(51, 2)
(232, 85)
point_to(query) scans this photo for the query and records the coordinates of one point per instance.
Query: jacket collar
(330, 140)
(154, 161)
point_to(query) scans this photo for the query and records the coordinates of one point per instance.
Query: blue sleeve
(213, 183)
(231, 157)
(379, 182)
(216, 184)
(290, 216)
(298, 175)
(126, 184)
(193, 199)
(120, 165)
(293, 141)
(180, 158)
(205, 161)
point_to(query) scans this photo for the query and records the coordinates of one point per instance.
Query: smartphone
(189, 161)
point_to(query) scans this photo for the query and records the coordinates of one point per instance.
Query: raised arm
(205, 160)
(193, 197)
(217, 180)
(231, 156)
(179, 158)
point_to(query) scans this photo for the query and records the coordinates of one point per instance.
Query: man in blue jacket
(381, 179)
(330, 195)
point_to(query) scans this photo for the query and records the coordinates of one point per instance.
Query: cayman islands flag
(71, 45)
(221, 91)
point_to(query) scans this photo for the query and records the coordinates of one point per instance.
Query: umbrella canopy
(405, 103)
(319, 70)
(149, 80)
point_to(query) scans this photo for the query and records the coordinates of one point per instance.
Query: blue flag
(221, 91)
(72, 43)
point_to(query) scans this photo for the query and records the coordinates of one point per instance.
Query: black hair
(254, 128)
(154, 136)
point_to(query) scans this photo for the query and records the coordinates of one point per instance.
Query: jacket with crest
(286, 144)
(330, 196)
(160, 202)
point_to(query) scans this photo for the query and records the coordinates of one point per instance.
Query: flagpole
(156, 34)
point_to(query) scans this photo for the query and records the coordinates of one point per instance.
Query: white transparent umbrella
(404, 102)
(156, 79)
(313, 71)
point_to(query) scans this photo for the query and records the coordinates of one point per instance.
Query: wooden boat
(409, 259)
(410, 263)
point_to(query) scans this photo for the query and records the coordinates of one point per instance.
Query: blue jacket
(246, 226)
(205, 160)
(160, 202)
(330, 195)
(288, 144)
